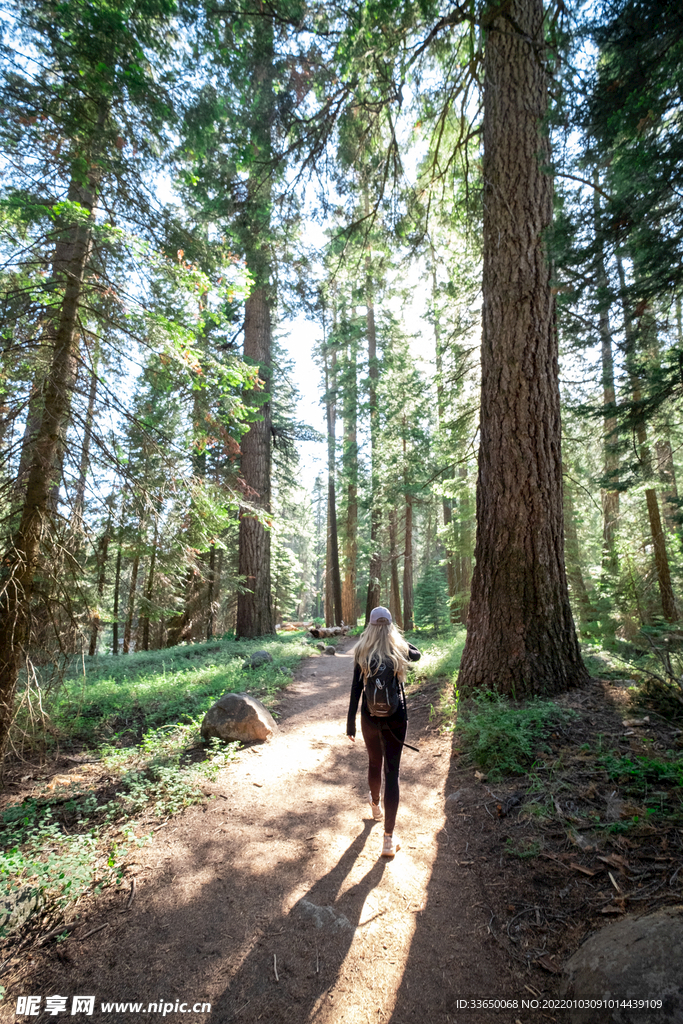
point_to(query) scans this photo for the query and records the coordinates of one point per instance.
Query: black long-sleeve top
(401, 715)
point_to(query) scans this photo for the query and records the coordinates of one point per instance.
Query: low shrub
(505, 738)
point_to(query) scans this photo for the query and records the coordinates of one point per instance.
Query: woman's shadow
(296, 963)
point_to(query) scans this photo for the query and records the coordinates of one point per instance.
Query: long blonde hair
(379, 643)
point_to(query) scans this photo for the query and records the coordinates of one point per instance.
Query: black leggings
(385, 746)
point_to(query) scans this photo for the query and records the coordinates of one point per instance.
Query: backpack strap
(402, 742)
(388, 727)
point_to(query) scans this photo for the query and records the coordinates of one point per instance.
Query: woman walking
(381, 661)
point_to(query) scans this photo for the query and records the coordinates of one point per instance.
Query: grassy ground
(121, 698)
(126, 734)
(545, 740)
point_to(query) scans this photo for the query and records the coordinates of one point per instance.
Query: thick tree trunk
(375, 569)
(333, 599)
(34, 416)
(521, 638)
(217, 590)
(333, 592)
(408, 620)
(329, 597)
(21, 558)
(395, 598)
(254, 606)
(117, 593)
(350, 464)
(666, 592)
(318, 500)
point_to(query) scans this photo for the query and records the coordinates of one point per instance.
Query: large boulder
(238, 716)
(257, 659)
(635, 959)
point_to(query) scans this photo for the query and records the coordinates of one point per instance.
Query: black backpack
(382, 691)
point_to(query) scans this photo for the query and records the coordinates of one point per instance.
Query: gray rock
(635, 958)
(329, 649)
(18, 907)
(321, 646)
(257, 659)
(238, 716)
(462, 798)
(323, 917)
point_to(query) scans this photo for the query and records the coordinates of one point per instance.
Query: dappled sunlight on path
(272, 902)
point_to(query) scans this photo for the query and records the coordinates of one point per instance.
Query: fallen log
(319, 632)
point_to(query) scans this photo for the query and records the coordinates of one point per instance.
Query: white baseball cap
(380, 616)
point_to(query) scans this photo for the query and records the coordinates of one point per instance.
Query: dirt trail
(281, 874)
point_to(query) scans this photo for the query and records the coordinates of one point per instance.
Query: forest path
(282, 872)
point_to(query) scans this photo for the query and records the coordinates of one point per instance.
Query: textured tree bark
(375, 569)
(329, 597)
(521, 638)
(218, 578)
(408, 620)
(254, 606)
(350, 464)
(462, 563)
(34, 416)
(333, 592)
(395, 598)
(318, 501)
(666, 591)
(21, 557)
